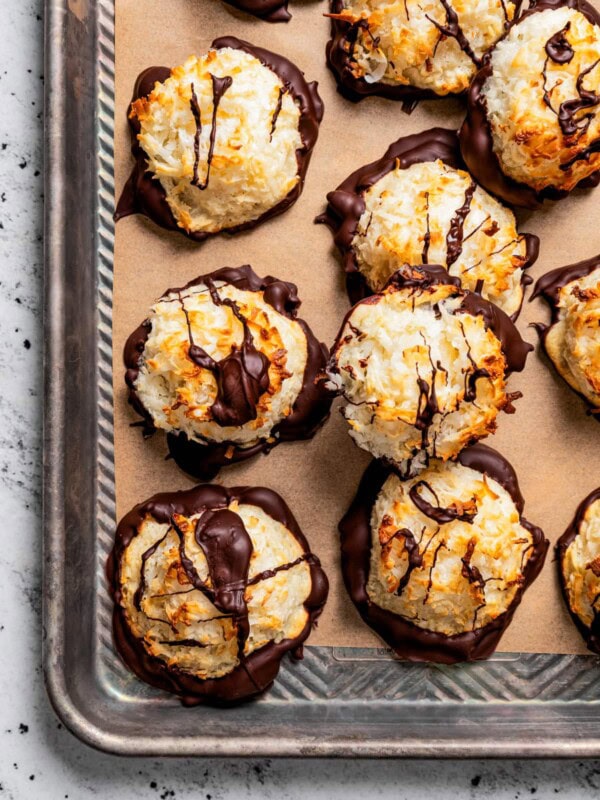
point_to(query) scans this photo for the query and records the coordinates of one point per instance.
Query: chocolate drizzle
(415, 558)
(242, 378)
(346, 204)
(454, 237)
(196, 113)
(143, 194)
(591, 635)
(453, 30)
(267, 10)
(476, 139)
(471, 573)
(276, 113)
(340, 51)
(427, 234)
(437, 513)
(549, 287)
(227, 546)
(569, 125)
(407, 639)
(471, 382)
(219, 87)
(558, 48)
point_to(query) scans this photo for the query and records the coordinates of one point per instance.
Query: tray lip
(54, 449)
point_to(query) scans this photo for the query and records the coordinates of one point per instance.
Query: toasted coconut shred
(407, 219)
(581, 567)
(179, 625)
(572, 342)
(536, 142)
(448, 578)
(249, 166)
(405, 42)
(178, 394)
(419, 378)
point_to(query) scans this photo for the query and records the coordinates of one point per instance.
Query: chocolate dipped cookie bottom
(346, 204)
(408, 640)
(226, 545)
(476, 140)
(590, 633)
(241, 379)
(144, 194)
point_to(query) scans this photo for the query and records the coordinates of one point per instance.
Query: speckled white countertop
(38, 757)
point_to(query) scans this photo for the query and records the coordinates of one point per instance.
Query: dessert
(222, 142)
(226, 368)
(422, 368)
(578, 559)
(417, 205)
(533, 128)
(408, 50)
(437, 564)
(571, 341)
(212, 586)
(269, 10)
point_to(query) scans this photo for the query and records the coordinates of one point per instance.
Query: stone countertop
(38, 757)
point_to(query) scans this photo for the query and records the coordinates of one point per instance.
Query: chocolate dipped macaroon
(422, 368)
(437, 564)
(227, 369)
(221, 143)
(533, 124)
(571, 341)
(410, 51)
(578, 560)
(212, 586)
(268, 10)
(418, 204)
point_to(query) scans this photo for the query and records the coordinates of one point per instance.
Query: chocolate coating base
(346, 204)
(476, 140)
(591, 635)
(257, 671)
(309, 413)
(144, 194)
(406, 639)
(268, 10)
(548, 287)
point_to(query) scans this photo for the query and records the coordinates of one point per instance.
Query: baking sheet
(550, 440)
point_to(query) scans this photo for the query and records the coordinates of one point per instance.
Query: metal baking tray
(338, 701)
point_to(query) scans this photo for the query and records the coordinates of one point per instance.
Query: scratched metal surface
(338, 701)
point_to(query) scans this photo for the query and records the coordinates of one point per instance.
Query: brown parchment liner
(551, 442)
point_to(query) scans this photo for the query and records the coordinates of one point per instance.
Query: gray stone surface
(38, 758)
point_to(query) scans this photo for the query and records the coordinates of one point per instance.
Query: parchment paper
(551, 442)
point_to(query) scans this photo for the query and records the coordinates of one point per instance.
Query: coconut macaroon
(212, 587)
(438, 564)
(422, 368)
(571, 340)
(418, 204)
(226, 368)
(578, 559)
(409, 51)
(533, 124)
(222, 142)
